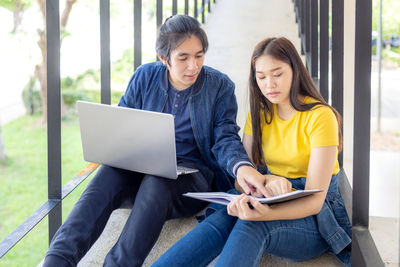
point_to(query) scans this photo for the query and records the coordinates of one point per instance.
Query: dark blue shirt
(186, 146)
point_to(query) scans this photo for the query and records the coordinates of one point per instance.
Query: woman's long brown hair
(302, 84)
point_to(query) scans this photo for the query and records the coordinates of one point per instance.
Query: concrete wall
(348, 109)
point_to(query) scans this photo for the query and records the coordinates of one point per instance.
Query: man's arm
(228, 148)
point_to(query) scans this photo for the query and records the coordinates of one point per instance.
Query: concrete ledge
(172, 231)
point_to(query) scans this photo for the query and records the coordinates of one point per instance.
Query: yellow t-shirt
(287, 144)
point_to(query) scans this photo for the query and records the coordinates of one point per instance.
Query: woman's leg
(201, 245)
(90, 215)
(298, 240)
(157, 200)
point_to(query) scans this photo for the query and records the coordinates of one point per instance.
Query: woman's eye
(278, 75)
(261, 77)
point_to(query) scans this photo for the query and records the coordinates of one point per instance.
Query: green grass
(23, 182)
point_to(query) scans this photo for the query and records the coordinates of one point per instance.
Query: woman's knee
(221, 222)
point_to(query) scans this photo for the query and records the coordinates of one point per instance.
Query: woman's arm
(321, 164)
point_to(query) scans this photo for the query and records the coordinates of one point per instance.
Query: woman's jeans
(155, 201)
(242, 243)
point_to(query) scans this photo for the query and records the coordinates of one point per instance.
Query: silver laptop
(131, 139)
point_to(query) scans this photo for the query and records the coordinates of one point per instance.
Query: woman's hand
(240, 208)
(277, 185)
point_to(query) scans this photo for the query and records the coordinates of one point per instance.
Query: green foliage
(31, 97)
(71, 96)
(23, 183)
(15, 4)
(122, 69)
(89, 79)
(390, 17)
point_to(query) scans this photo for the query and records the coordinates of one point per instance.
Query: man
(204, 105)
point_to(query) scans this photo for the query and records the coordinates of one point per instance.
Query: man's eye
(182, 58)
(199, 56)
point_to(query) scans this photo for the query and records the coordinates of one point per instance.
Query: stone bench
(172, 231)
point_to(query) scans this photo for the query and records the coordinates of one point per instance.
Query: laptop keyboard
(183, 170)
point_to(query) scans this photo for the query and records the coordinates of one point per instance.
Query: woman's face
(274, 78)
(186, 62)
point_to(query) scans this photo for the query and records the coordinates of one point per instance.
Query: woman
(296, 134)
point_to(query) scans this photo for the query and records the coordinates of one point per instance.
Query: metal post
(195, 14)
(137, 33)
(159, 17)
(302, 25)
(174, 7)
(53, 112)
(209, 6)
(364, 251)
(362, 111)
(186, 7)
(337, 58)
(314, 40)
(105, 51)
(379, 60)
(203, 7)
(307, 26)
(324, 49)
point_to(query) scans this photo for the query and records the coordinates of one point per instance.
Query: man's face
(185, 63)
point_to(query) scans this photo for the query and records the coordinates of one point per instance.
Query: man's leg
(89, 215)
(157, 200)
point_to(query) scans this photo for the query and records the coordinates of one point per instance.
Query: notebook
(224, 198)
(131, 139)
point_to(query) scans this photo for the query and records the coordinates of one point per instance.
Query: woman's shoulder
(318, 108)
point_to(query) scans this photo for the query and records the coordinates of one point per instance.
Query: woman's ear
(164, 61)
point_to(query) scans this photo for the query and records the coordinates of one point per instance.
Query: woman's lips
(273, 94)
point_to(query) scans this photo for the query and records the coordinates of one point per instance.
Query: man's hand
(277, 185)
(251, 181)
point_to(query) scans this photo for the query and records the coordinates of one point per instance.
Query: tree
(18, 8)
(40, 72)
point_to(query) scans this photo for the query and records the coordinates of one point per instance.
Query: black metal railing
(364, 251)
(56, 193)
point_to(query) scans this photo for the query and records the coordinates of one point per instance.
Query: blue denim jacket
(213, 110)
(333, 222)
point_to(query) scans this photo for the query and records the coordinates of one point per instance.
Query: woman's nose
(269, 82)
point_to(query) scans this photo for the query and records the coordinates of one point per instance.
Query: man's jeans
(155, 201)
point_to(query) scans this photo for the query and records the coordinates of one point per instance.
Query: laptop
(130, 139)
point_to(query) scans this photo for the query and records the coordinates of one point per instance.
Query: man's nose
(193, 64)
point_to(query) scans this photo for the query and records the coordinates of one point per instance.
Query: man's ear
(164, 61)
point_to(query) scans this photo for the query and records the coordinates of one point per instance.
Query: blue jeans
(242, 243)
(155, 201)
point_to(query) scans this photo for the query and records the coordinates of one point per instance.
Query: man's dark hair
(175, 30)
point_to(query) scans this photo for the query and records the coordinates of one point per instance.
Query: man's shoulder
(215, 75)
(152, 67)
